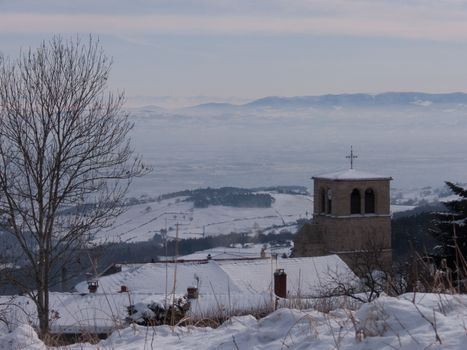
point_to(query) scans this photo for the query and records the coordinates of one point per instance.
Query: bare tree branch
(65, 158)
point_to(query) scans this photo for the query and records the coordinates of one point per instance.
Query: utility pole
(457, 252)
(177, 225)
(166, 266)
(172, 316)
(176, 216)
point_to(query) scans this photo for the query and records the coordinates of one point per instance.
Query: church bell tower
(351, 216)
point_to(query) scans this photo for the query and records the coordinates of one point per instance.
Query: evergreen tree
(451, 226)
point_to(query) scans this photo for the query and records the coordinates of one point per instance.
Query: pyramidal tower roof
(351, 175)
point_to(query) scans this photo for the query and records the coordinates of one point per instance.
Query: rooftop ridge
(352, 174)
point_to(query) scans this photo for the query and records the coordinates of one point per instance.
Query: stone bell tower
(351, 216)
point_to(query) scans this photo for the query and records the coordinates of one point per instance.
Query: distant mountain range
(355, 100)
(387, 98)
(329, 101)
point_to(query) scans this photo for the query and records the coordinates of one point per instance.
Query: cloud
(444, 20)
(424, 28)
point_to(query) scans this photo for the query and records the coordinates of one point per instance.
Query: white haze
(420, 144)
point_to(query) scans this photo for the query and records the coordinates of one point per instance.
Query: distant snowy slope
(142, 221)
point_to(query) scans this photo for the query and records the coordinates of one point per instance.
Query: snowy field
(410, 322)
(140, 222)
(237, 251)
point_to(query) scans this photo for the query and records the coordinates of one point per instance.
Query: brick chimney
(280, 283)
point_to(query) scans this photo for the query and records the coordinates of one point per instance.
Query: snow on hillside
(399, 208)
(410, 322)
(142, 221)
(421, 196)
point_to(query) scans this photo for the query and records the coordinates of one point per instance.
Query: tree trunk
(43, 310)
(43, 296)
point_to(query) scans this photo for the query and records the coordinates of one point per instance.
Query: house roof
(235, 284)
(305, 276)
(152, 277)
(73, 313)
(352, 175)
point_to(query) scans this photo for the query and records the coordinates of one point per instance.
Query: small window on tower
(323, 201)
(329, 197)
(355, 202)
(369, 201)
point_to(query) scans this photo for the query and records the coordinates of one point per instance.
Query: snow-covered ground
(142, 221)
(395, 208)
(421, 196)
(387, 323)
(411, 322)
(240, 252)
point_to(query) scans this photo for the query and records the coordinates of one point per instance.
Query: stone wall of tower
(354, 233)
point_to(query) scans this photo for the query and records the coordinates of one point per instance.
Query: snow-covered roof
(105, 312)
(240, 285)
(151, 278)
(352, 174)
(73, 312)
(305, 276)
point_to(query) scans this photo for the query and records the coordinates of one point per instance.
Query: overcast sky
(237, 50)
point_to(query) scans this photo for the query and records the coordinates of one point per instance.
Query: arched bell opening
(323, 201)
(369, 201)
(355, 202)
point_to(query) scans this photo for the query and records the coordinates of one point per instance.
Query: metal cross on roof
(351, 156)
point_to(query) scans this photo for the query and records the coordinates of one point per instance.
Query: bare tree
(376, 271)
(65, 157)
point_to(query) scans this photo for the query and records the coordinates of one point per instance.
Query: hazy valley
(418, 139)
